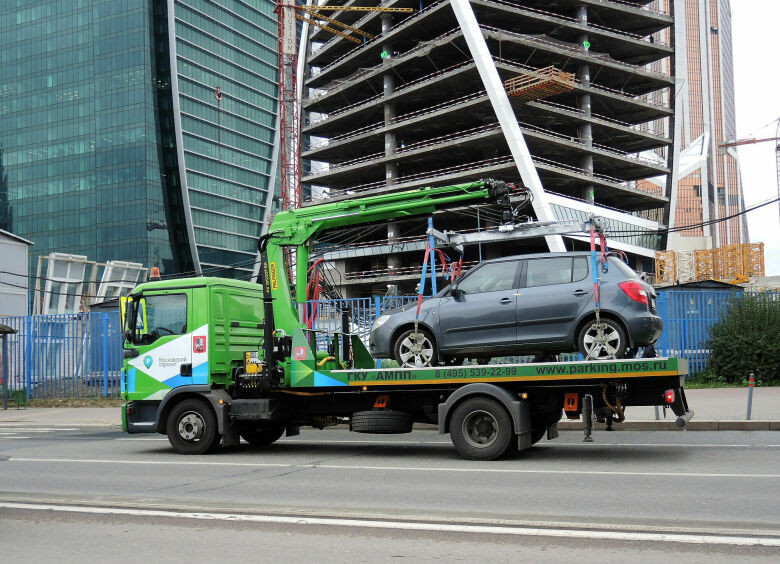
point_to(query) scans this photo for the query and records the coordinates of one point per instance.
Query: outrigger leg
(587, 417)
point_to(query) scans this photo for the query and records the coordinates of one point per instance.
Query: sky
(756, 43)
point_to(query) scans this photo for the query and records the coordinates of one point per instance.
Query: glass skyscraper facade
(138, 130)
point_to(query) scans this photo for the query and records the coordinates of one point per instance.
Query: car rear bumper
(644, 329)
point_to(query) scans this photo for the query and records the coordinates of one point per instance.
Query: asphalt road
(84, 493)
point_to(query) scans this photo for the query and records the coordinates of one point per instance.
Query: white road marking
(478, 469)
(690, 538)
(43, 429)
(554, 444)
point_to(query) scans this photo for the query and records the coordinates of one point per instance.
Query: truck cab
(185, 334)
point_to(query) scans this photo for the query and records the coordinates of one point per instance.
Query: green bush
(747, 339)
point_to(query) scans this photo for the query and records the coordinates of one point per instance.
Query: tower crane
(289, 123)
(752, 141)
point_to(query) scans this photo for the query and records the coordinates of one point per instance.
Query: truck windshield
(158, 316)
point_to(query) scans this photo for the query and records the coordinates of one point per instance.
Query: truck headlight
(381, 320)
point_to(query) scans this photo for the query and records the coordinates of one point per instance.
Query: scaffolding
(734, 264)
(542, 83)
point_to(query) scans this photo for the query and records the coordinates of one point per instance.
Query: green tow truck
(208, 361)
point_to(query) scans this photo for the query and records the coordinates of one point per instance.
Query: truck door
(484, 312)
(553, 293)
(163, 342)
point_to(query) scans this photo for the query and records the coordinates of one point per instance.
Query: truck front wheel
(481, 429)
(192, 428)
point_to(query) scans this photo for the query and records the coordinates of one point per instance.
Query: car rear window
(623, 267)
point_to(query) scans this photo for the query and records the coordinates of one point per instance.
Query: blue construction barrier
(64, 356)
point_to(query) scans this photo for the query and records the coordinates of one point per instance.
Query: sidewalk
(715, 409)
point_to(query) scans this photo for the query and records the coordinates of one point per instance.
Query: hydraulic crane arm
(299, 227)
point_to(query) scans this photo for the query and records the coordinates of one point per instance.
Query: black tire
(382, 422)
(481, 429)
(415, 352)
(192, 428)
(264, 434)
(608, 341)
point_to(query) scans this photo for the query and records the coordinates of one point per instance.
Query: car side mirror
(456, 292)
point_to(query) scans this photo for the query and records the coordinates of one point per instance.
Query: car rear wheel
(602, 341)
(415, 350)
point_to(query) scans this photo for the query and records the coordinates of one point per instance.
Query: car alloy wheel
(600, 341)
(415, 349)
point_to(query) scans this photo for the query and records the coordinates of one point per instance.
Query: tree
(747, 339)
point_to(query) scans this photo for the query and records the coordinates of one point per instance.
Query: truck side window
(165, 315)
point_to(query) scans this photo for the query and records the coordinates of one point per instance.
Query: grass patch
(702, 380)
(75, 402)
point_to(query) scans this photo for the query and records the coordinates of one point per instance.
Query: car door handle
(506, 301)
(580, 293)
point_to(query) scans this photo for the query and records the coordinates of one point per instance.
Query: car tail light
(669, 396)
(634, 290)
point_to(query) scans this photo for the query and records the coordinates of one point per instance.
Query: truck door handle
(186, 369)
(580, 293)
(506, 301)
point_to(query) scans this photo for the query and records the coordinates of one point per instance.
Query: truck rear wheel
(481, 429)
(192, 428)
(263, 434)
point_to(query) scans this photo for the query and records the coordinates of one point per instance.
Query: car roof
(542, 255)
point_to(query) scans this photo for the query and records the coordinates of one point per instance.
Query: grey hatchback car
(528, 304)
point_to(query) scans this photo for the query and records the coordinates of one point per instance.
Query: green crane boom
(299, 227)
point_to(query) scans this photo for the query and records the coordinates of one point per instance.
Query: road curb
(667, 425)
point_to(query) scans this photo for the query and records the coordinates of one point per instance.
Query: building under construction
(569, 99)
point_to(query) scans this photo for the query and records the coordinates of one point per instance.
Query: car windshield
(623, 267)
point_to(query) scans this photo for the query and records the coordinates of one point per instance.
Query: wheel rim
(601, 341)
(191, 427)
(480, 429)
(416, 350)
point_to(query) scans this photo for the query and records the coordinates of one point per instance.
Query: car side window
(580, 269)
(548, 271)
(490, 277)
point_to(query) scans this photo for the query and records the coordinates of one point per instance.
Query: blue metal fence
(64, 356)
(80, 356)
